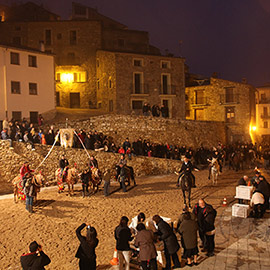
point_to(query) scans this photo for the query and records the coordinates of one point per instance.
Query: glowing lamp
(254, 128)
(66, 78)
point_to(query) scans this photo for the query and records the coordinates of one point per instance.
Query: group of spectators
(155, 110)
(151, 240)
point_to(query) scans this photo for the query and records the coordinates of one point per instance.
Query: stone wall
(157, 130)
(12, 159)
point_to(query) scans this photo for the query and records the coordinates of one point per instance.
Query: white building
(26, 83)
(263, 112)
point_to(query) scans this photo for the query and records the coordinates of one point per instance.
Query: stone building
(26, 81)
(263, 113)
(82, 43)
(214, 99)
(127, 80)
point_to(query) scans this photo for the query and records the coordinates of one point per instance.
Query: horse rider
(25, 169)
(218, 156)
(63, 164)
(123, 163)
(187, 168)
(93, 162)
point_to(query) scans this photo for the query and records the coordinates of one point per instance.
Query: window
(14, 58)
(265, 124)
(32, 89)
(229, 97)
(16, 41)
(15, 87)
(165, 64)
(73, 37)
(199, 97)
(48, 37)
(17, 115)
(137, 104)
(121, 42)
(98, 84)
(230, 114)
(110, 83)
(137, 62)
(263, 96)
(34, 117)
(110, 105)
(265, 111)
(59, 36)
(79, 77)
(165, 84)
(57, 98)
(32, 61)
(138, 86)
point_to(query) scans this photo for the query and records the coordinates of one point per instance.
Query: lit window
(79, 77)
(58, 77)
(67, 78)
(165, 64)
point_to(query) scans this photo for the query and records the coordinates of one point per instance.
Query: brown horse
(38, 180)
(96, 178)
(71, 179)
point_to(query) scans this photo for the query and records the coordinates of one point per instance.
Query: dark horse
(186, 184)
(129, 174)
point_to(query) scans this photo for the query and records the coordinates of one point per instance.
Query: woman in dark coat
(86, 251)
(171, 245)
(188, 230)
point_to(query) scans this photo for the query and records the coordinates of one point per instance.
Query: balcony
(264, 101)
(168, 89)
(265, 116)
(199, 101)
(229, 99)
(139, 89)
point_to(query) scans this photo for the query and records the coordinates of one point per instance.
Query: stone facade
(221, 100)
(157, 130)
(119, 93)
(262, 132)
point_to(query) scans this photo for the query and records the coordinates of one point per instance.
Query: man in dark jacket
(171, 245)
(36, 259)
(264, 188)
(63, 163)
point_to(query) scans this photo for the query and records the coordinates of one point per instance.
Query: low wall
(157, 130)
(12, 159)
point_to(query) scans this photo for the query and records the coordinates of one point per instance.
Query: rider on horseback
(93, 162)
(25, 169)
(123, 164)
(63, 164)
(218, 156)
(187, 168)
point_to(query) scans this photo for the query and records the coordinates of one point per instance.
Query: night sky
(230, 37)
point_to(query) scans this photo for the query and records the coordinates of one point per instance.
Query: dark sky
(231, 37)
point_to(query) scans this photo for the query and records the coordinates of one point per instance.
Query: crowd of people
(151, 240)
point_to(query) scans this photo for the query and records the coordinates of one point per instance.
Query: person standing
(85, 177)
(63, 164)
(147, 251)
(107, 180)
(29, 191)
(122, 234)
(169, 239)
(36, 259)
(86, 251)
(188, 230)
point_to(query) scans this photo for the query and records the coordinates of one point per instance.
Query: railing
(141, 88)
(199, 101)
(265, 116)
(168, 89)
(264, 101)
(227, 99)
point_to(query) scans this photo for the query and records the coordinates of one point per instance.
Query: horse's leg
(184, 196)
(15, 194)
(189, 194)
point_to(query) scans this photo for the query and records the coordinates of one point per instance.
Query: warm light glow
(67, 77)
(254, 128)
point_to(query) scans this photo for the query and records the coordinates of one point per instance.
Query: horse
(71, 179)
(236, 161)
(128, 174)
(215, 170)
(96, 178)
(186, 184)
(38, 180)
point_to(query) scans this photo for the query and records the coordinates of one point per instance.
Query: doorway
(74, 100)
(199, 114)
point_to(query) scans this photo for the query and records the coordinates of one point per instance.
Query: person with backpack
(86, 251)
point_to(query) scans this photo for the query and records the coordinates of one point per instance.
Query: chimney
(215, 75)
(41, 46)
(244, 80)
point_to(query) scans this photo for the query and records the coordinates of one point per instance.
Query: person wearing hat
(36, 259)
(187, 168)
